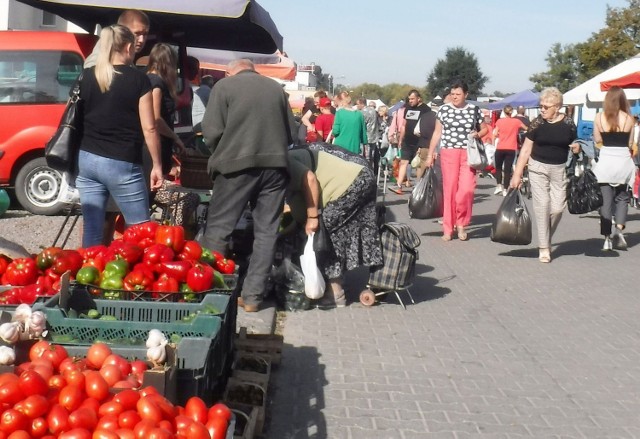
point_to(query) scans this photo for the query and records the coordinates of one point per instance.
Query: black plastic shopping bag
(512, 224)
(426, 198)
(583, 191)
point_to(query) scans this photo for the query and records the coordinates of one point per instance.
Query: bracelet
(313, 217)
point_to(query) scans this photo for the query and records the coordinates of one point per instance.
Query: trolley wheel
(367, 298)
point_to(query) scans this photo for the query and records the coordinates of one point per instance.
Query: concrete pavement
(497, 344)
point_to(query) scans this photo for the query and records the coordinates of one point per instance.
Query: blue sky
(401, 40)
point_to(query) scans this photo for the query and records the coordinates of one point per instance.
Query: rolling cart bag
(399, 253)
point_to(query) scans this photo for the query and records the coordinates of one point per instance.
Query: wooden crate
(265, 345)
(251, 376)
(235, 385)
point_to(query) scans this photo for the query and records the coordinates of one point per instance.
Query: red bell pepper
(138, 281)
(225, 266)
(191, 251)
(46, 257)
(29, 293)
(21, 271)
(92, 252)
(171, 236)
(4, 263)
(157, 253)
(97, 262)
(10, 297)
(138, 233)
(165, 284)
(67, 260)
(176, 269)
(127, 251)
(200, 277)
(147, 269)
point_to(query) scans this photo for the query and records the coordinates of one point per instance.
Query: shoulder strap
(313, 160)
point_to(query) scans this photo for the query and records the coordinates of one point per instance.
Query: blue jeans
(99, 177)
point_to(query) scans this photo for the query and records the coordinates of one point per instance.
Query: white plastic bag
(313, 281)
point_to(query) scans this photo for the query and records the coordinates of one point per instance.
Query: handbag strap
(313, 160)
(74, 93)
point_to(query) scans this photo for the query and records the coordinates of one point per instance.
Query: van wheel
(37, 187)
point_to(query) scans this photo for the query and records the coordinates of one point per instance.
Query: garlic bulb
(156, 338)
(22, 313)
(36, 324)
(157, 354)
(10, 332)
(7, 356)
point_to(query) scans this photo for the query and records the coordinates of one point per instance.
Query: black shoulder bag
(321, 239)
(61, 151)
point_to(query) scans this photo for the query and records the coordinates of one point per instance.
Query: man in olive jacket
(247, 128)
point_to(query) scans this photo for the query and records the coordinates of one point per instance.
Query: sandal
(544, 256)
(446, 238)
(462, 234)
(397, 191)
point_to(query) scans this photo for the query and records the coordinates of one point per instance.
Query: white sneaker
(621, 243)
(607, 245)
(504, 192)
(498, 190)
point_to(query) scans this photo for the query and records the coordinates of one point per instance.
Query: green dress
(349, 130)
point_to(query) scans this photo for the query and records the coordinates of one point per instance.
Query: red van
(37, 70)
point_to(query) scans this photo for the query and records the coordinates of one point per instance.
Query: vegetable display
(149, 258)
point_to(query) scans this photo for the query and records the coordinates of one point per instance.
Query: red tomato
(196, 409)
(122, 363)
(149, 390)
(12, 420)
(76, 433)
(57, 382)
(43, 367)
(197, 430)
(75, 378)
(46, 351)
(125, 433)
(32, 383)
(72, 363)
(39, 427)
(166, 407)
(96, 386)
(160, 433)
(167, 425)
(108, 422)
(217, 428)
(125, 384)
(143, 428)
(10, 392)
(33, 406)
(138, 367)
(182, 423)
(91, 403)
(97, 353)
(20, 434)
(84, 417)
(128, 419)
(220, 411)
(104, 434)
(71, 397)
(111, 373)
(8, 377)
(128, 399)
(110, 408)
(149, 409)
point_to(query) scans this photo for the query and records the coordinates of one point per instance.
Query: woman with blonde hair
(546, 147)
(615, 169)
(118, 119)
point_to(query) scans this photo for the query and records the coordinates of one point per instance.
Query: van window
(33, 77)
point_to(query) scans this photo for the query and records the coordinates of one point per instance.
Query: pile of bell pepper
(149, 257)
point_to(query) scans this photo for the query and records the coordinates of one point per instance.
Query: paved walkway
(497, 345)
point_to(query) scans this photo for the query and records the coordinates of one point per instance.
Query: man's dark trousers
(264, 190)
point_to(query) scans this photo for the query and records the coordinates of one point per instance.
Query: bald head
(521, 110)
(238, 65)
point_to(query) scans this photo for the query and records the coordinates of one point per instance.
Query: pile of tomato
(54, 395)
(149, 257)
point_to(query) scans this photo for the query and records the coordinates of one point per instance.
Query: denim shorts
(99, 177)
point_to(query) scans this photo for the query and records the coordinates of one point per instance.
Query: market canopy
(274, 65)
(525, 98)
(240, 25)
(591, 95)
(632, 80)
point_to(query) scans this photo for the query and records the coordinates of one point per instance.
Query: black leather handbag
(61, 151)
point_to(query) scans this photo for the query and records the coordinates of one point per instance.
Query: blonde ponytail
(112, 39)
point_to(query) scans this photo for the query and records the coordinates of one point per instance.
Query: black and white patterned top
(457, 123)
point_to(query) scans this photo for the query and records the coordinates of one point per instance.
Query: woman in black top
(117, 121)
(545, 151)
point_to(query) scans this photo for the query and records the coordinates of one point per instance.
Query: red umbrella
(632, 80)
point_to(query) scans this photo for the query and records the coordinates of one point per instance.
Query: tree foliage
(457, 64)
(389, 93)
(573, 64)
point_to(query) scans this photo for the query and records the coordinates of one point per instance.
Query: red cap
(325, 102)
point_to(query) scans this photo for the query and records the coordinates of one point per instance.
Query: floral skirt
(351, 223)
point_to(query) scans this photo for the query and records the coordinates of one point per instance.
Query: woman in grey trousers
(545, 151)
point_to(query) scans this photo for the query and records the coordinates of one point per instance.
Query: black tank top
(620, 138)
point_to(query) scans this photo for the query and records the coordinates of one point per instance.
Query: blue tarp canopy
(526, 98)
